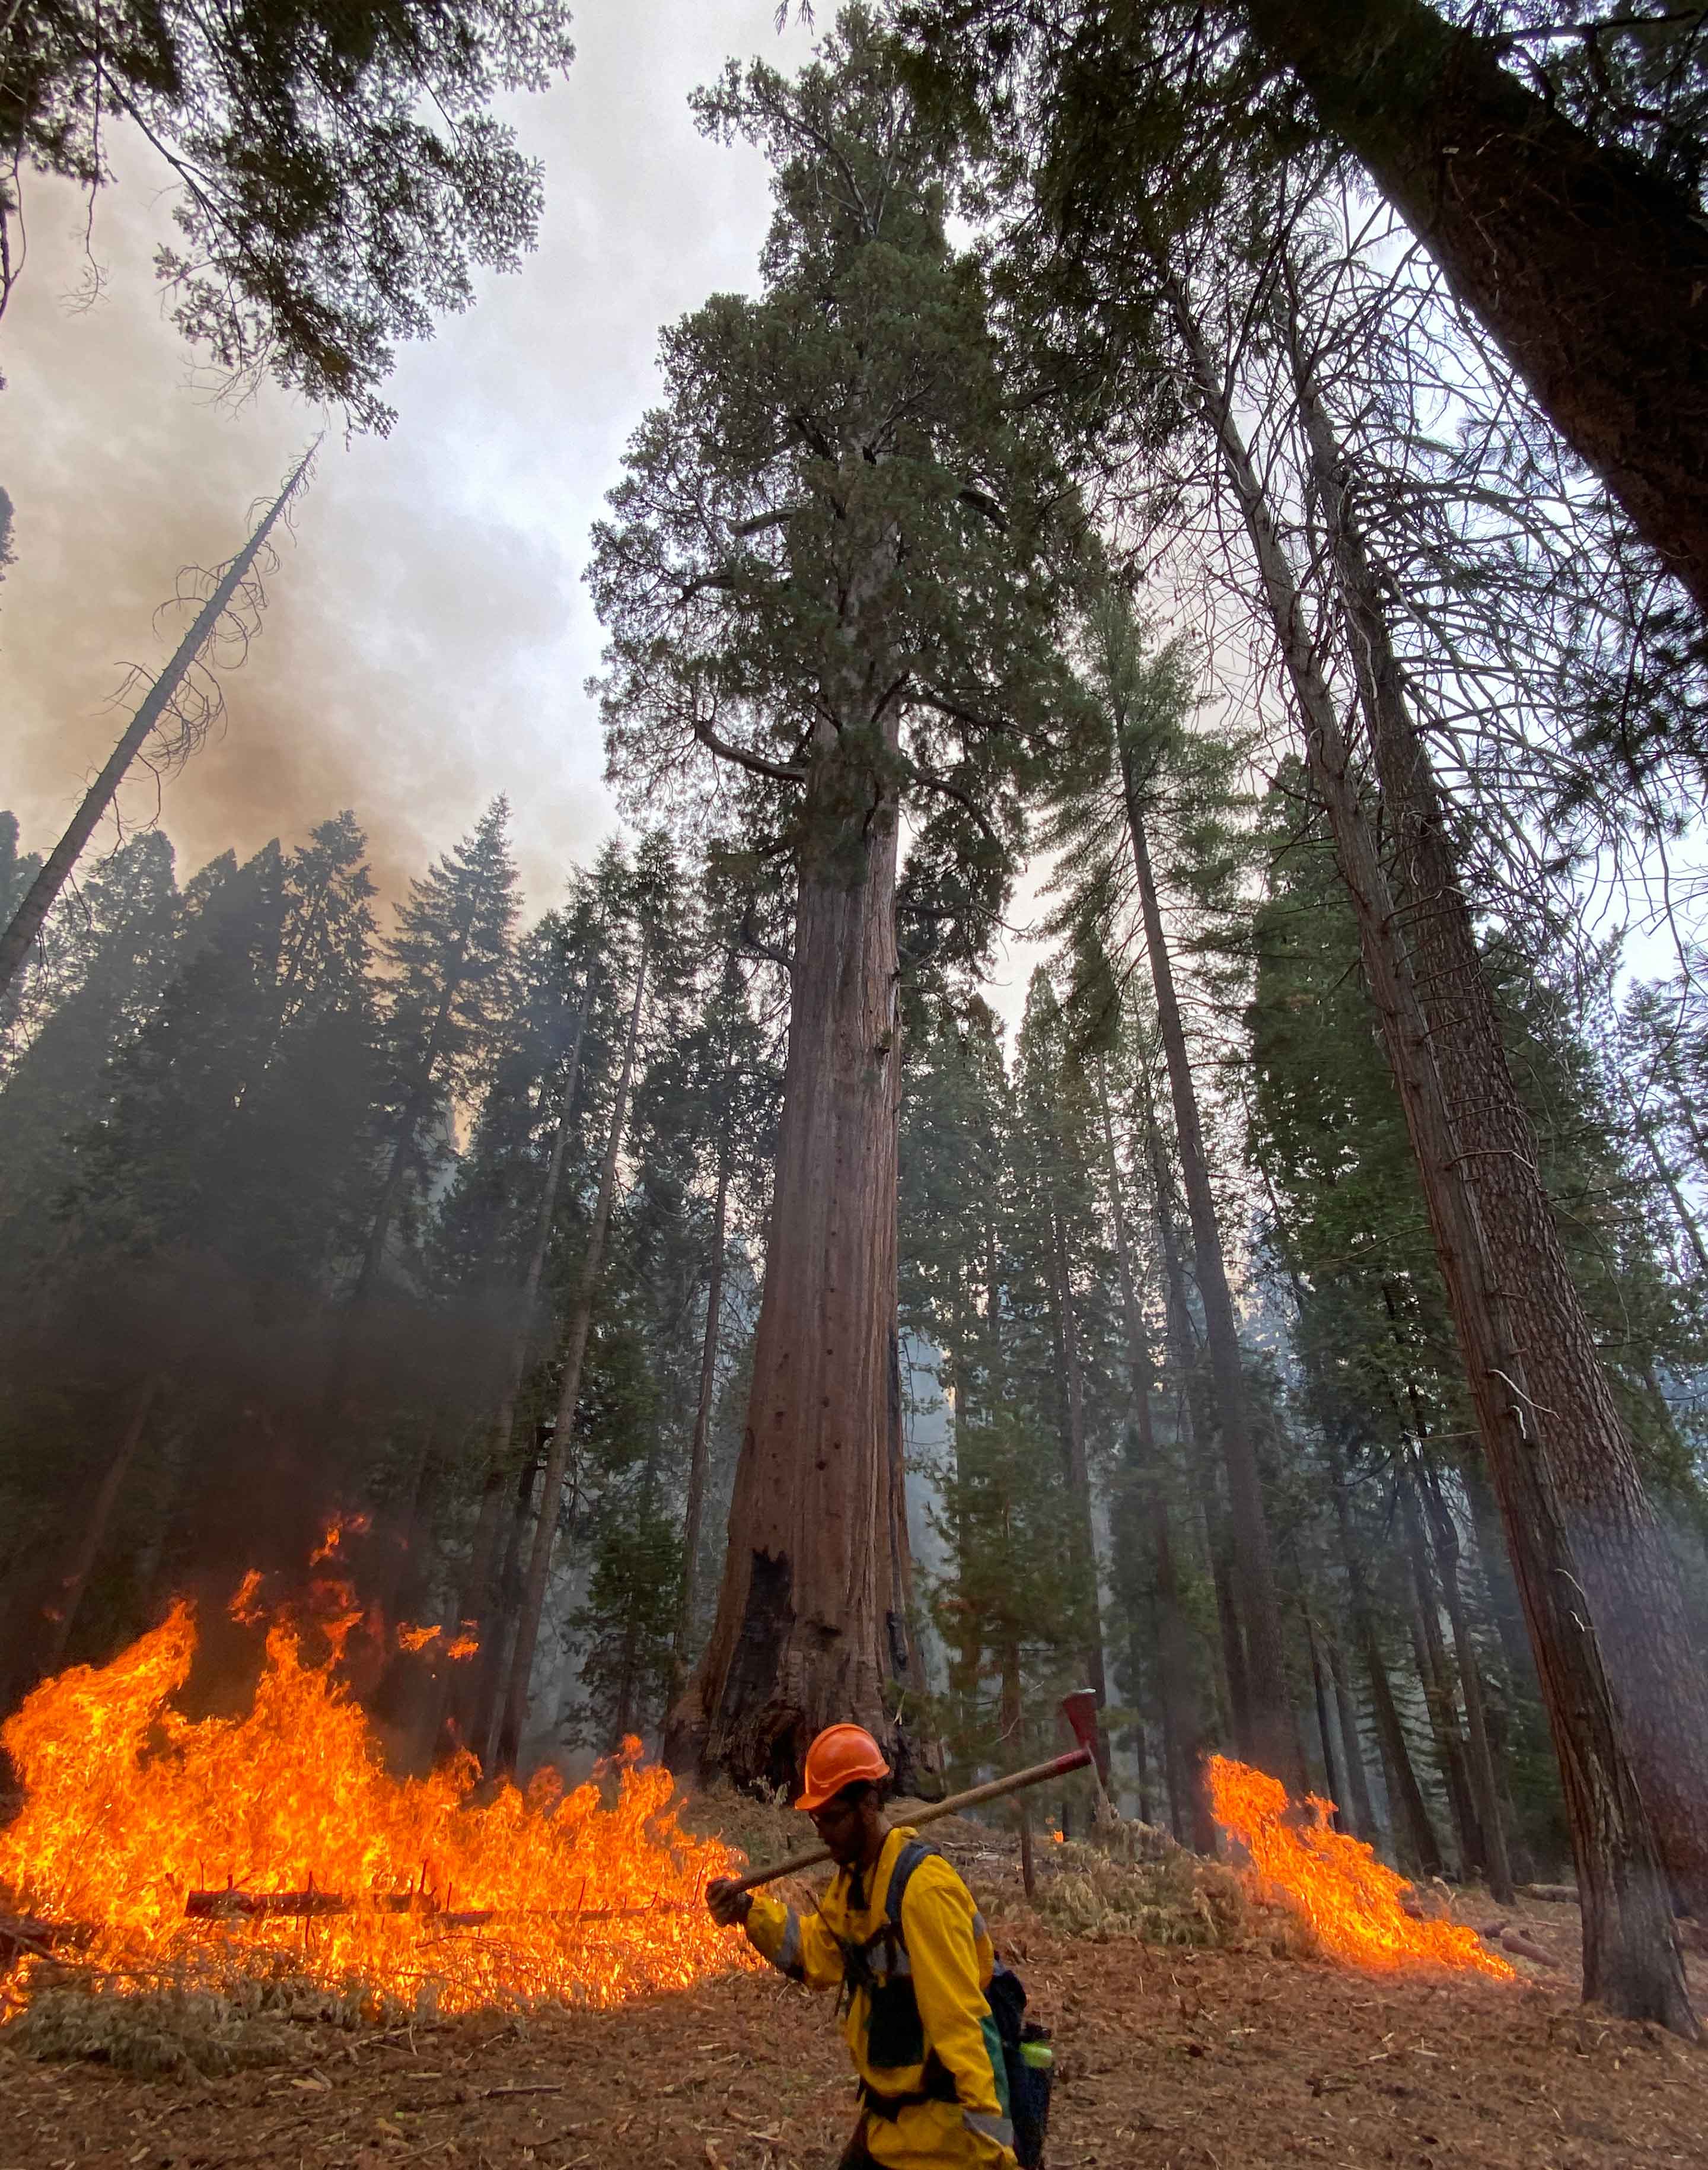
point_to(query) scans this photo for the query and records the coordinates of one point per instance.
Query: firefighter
(913, 1961)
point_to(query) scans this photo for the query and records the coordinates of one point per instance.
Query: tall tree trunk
(1591, 273)
(1485, 1786)
(1504, 1606)
(1081, 1537)
(1275, 1731)
(1325, 1731)
(906, 1661)
(502, 1615)
(61, 1614)
(415, 1107)
(1687, 1222)
(1141, 1720)
(482, 1703)
(1361, 1812)
(580, 1321)
(1429, 1657)
(38, 899)
(809, 1611)
(1182, 1724)
(1413, 1831)
(1183, 1356)
(1631, 1960)
(1013, 1742)
(1563, 1402)
(695, 1512)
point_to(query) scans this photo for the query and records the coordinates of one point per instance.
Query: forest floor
(1171, 2056)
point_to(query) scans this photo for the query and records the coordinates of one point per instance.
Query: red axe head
(1080, 1709)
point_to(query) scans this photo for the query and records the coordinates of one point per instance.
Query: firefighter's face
(847, 1827)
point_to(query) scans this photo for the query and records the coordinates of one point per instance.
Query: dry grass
(174, 2032)
(178, 2026)
(1089, 1895)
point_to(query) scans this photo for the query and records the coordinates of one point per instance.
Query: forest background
(457, 1219)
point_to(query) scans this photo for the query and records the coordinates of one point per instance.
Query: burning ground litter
(153, 1847)
(1170, 2058)
(1197, 2020)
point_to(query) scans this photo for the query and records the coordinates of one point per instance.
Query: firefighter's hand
(727, 1906)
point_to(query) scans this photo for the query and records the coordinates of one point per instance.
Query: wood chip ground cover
(1169, 2059)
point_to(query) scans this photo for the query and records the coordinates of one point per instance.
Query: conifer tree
(451, 962)
(1059, 1226)
(658, 940)
(1563, 205)
(830, 580)
(113, 951)
(1142, 791)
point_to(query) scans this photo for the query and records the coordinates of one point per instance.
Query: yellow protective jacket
(948, 1956)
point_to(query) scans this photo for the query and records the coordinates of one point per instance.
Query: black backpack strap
(901, 1875)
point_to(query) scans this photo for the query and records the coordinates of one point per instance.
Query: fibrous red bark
(811, 1628)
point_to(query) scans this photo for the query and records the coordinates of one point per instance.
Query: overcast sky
(427, 634)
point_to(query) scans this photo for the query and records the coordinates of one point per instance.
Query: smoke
(426, 637)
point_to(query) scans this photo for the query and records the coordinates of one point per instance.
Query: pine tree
(448, 1001)
(1580, 248)
(659, 940)
(1631, 1953)
(1061, 1233)
(1142, 789)
(113, 951)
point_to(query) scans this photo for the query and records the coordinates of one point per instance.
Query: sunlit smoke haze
(426, 636)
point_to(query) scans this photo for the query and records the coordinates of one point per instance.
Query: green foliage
(627, 1619)
(339, 170)
(1016, 1598)
(106, 955)
(838, 554)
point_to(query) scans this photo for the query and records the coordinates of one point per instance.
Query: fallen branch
(24, 1932)
(233, 1905)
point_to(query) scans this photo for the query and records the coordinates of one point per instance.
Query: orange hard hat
(839, 1755)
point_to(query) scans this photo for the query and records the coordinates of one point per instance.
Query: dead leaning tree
(156, 705)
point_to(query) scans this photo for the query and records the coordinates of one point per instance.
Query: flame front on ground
(129, 1805)
(1350, 1899)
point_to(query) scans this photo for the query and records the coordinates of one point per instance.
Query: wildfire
(337, 1530)
(306, 1858)
(1350, 1899)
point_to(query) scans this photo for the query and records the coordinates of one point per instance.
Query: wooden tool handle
(1037, 1774)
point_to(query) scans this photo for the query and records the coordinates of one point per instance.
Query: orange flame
(1334, 1883)
(337, 1530)
(408, 1888)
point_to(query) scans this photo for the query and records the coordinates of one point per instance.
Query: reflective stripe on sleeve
(989, 2128)
(787, 1958)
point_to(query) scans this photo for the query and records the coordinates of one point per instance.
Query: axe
(1081, 1711)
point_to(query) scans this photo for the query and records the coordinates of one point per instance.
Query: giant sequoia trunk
(1275, 1731)
(811, 1627)
(1643, 1621)
(1592, 275)
(1631, 1960)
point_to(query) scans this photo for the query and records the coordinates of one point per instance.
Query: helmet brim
(811, 1800)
